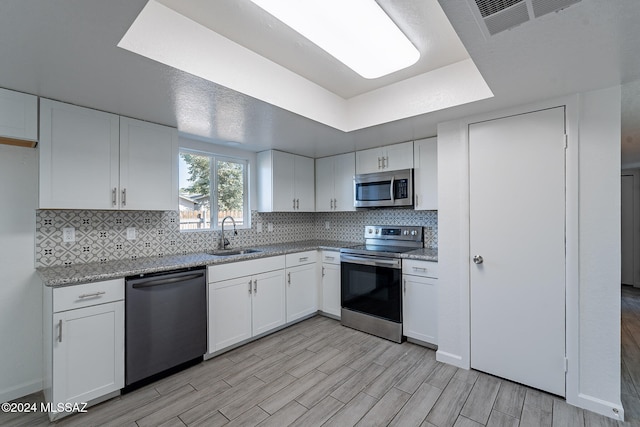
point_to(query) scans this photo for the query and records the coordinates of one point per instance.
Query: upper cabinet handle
(113, 196)
(124, 197)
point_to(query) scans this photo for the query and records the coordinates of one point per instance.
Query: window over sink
(211, 188)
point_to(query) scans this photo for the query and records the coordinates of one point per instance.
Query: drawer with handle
(88, 294)
(330, 257)
(420, 268)
(301, 258)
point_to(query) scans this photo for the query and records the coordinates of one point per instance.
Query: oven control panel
(401, 233)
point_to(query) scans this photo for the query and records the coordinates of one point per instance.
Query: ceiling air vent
(542, 7)
(489, 7)
(495, 16)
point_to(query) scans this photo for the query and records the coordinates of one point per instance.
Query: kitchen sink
(231, 252)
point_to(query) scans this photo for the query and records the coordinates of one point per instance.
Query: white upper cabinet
(304, 184)
(334, 183)
(285, 182)
(148, 166)
(18, 116)
(425, 174)
(79, 157)
(325, 191)
(95, 160)
(387, 158)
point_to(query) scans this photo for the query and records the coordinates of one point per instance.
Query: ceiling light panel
(358, 33)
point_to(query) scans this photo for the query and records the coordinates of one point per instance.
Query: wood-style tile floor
(630, 369)
(320, 373)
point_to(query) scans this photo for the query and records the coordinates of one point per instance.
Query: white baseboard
(450, 359)
(20, 390)
(599, 406)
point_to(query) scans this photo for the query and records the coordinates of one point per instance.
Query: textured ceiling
(423, 22)
(166, 36)
(66, 50)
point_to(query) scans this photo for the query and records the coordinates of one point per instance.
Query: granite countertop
(93, 272)
(422, 254)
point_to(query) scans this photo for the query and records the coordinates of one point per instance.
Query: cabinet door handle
(60, 330)
(331, 203)
(419, 269)
(385, 162)
(322, 271)
(124, 197)
(95, 294)
(249, 286)
(404, 285)
(379, 160)
(416, 200)
(255, 286)
(297, 203)
(294, 203)
(329, 257)
(303, 259)
(289, 278)
(114, 202)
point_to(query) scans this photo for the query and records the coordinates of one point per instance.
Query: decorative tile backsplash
(102, 235)
(349, 226)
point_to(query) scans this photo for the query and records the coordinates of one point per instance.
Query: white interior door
(628, 235)
(517, 225)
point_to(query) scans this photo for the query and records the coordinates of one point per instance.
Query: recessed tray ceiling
(239, 46)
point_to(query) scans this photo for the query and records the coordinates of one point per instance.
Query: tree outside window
(199, 204)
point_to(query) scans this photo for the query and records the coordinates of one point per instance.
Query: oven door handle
(370, 261)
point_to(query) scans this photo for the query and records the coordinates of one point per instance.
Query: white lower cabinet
(302, 290)
(420, 301)
(246, 306)
(331, 283)
(84, 344)
(229, 312)
(268, 301)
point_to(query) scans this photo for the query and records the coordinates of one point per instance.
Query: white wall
(593, 245)
(20, 290)
(599, 224)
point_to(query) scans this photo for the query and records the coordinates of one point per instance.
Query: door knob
(478, 259)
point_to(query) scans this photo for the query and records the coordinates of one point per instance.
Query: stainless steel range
(371, 280)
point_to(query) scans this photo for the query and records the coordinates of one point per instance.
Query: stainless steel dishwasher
(165, 322)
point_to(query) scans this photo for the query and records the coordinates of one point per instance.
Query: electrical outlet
(131, 233)
(270, 227)
(68, 234)
(327, 225)
(259, 227)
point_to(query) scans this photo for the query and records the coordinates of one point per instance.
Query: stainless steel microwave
(383, 189)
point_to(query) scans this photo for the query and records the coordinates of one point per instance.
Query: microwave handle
(391, 189)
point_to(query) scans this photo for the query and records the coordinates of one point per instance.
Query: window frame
(213, 187)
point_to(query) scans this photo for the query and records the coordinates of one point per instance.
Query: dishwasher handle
(167, 281)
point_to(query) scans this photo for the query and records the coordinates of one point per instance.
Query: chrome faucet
(223, 241)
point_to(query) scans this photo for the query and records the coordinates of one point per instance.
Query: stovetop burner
(377, 250)
(388, 241)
